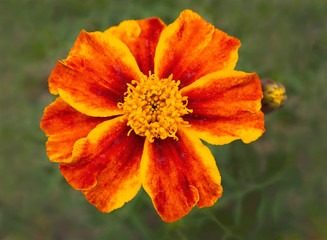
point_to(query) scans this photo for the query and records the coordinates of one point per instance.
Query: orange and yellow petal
(177, 175)
(226, 106)
(190, 48)
(107, 165)
(222, 130)
(141, 37)
(64, 125)
(94, 76)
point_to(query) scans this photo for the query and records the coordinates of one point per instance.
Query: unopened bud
(274, 95)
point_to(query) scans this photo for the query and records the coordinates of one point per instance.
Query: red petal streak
(224, 94)
(190, 48)
(93, 78)
(179, 174)
(107, 165)
(141, 37)
(64, 126)
(226, 106)
(222, 130)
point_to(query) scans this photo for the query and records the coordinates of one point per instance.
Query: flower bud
(274, 95)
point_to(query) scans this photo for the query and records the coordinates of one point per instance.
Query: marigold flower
(134, 102)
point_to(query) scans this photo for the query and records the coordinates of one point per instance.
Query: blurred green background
(274, 188)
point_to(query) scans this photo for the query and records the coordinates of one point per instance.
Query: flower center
(154, 107)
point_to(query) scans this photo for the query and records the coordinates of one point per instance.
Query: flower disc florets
(154, 107)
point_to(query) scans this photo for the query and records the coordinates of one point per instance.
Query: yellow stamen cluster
(154, 107)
